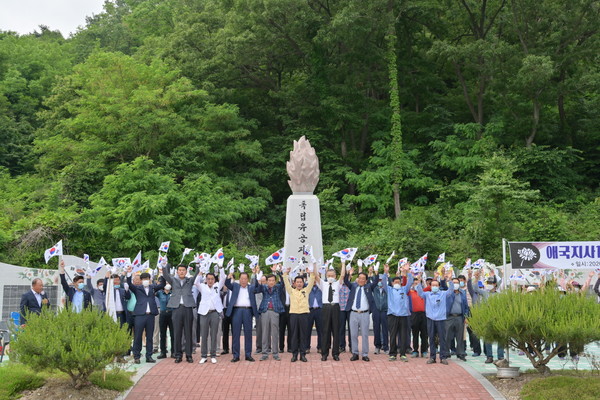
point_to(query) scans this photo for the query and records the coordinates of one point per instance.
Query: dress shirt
(336, 291)
(243, 299)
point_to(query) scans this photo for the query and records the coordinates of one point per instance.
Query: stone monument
(303, 216)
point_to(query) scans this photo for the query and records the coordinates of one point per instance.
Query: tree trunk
(397, 208)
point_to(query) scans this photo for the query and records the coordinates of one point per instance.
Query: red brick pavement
(378, 379)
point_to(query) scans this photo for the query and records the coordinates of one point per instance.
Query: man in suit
(76, 295)
(330, 299)
(182, 303)
(361, 304)
(120, 295)
(209, 312)
(241, 309)
(145, 310)
(34, 300)
(226, 323)
(270, 308)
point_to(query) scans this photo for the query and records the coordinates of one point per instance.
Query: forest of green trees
(440, 126)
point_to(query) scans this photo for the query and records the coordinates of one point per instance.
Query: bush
(15, 378)
(529, 321)
(562, 387)
(74, 343)
(113, 380)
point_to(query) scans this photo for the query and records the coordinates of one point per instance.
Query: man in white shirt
(209, 312)
(330, 289)
(242, 308)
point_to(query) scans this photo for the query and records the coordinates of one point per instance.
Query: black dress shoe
(235, 359)
(250, 359)
(303, 358)
(354, 357)
(189, 359)
(336, 358)
(136, 361)
(172, 355)
(365, 358)
(323, 357)
(295, 358)
(224, 352)
(150, 360)
(177, 360)
(161, 356)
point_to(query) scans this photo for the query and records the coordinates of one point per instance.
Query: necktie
(358, 297)
(330, 297)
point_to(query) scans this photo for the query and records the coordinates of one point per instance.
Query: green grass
(14, 378)
(563, 387)
(115, 380)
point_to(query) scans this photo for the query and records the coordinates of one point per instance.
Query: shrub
(113, 380)
(15, 378)
(529, 321)
(74, 343)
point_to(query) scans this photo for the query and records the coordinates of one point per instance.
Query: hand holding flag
(56, 250)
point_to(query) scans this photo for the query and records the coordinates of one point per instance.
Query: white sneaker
(202, 361)
(213, 360)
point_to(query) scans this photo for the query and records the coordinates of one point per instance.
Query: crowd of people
(178, 312)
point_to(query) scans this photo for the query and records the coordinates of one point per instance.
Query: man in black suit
(77, 297)
(182, 303)
(145, 310)
(34, 300)
(120, 297)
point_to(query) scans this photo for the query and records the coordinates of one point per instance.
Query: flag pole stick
(504, 278)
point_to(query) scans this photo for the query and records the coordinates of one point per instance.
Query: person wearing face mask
(489, 289)
(77, 297)
(269, 309)
(398, 314)
(145, 310)
(299, 313)
(165, 320)
(418, 320)
(34, 300)
(98, 295)
(209, 312)
(379, 315)
(330, 298)
(121, 297)
(436, 310)
(457, 311)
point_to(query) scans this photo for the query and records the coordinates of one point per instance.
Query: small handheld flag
(276, 257)
(164, 247)
(86, 258)
(137, 262)
(390, 257)
(218, 258)
(122, 262)
(55, 250)
(441, 258)
(346, 254)
(253, 260)
(186, 251)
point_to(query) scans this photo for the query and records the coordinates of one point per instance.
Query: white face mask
(330, 280)
(397, 286)
(167, 287)
(489, 287)
(146, 283)
(101, 287)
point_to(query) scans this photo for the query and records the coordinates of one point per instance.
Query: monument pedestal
(303, 228)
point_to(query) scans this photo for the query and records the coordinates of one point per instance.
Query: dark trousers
(121, 318)
(226, 324)
(165, 320)
(314, 319)
(345, 326)
(397, 326)
(474, 341)
(143, 323)
(284, 322)
(437, 328)
(182, 325)
(298, 331)
(331, 326)
(380, 330)
(241, 317)
(418, 322)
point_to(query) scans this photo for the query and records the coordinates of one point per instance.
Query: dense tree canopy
(439, 125)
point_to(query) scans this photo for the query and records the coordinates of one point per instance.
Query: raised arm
(311, 282)
(286, 282)
(222, 278)
(420, 291)
(167, 275)
(587, 283)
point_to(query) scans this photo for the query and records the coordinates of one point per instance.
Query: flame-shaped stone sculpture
(303, 167)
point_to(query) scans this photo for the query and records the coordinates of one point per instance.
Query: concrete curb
(496, 395)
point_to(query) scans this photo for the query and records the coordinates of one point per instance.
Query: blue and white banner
(562, 255)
